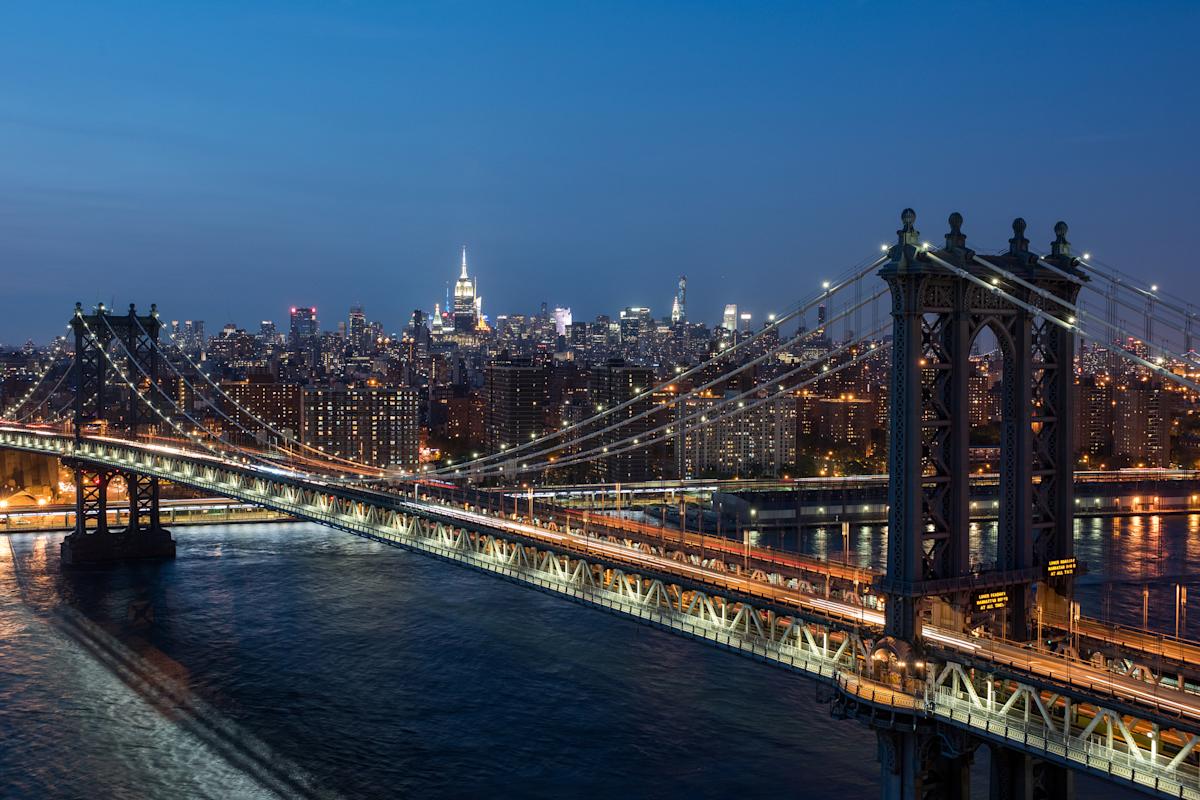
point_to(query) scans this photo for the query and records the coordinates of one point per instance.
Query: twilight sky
(230, 159)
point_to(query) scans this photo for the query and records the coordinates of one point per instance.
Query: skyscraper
(679, 307)
(357, 330)
(303, 327)
(466, 307)
(515, 401)
(562, 321)
(730, 321)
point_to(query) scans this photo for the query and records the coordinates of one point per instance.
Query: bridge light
(1087, 256)
(883, 247)
(1154, 287)
(824, 284)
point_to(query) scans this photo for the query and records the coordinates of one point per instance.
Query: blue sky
(228, 160)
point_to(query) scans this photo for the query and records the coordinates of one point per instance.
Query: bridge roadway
(1052, 666)
(1176, 659)
(1061, 709)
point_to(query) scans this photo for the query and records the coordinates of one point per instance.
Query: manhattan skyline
(587, 156)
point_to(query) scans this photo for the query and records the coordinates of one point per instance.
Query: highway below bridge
(1106, 714)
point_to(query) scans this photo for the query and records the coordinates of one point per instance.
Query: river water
(289, 660)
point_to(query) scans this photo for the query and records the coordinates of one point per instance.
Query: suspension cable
(50, 394)
(239, 407)
(1074, 327)
(277, 433)
(828, 291)
(634, 442)
(1072, 307)
(252, 455)
(1149, 295)
(178, 428)
(683, 396)
(58, 348)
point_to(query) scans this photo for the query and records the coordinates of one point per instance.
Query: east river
(289, 660)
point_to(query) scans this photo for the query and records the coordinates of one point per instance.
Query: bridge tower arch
(98, 404)
(942, 298)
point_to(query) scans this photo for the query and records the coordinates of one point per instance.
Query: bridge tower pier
(92, 541)
(916, 764)
(1020, 776)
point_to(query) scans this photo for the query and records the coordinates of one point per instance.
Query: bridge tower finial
(956, 239)
(1018, 244)
(908, 234)
(1060, 246)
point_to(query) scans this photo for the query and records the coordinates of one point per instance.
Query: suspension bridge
(937, 654)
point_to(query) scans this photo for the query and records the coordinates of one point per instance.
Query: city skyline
(397, 318)
(356, 174)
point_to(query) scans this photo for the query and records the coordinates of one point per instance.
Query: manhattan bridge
(938, 653)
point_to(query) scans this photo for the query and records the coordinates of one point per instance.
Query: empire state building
(466, 301)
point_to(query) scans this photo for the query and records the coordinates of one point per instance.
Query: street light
(746, 540)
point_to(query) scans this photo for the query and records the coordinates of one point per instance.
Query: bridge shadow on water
(108, 613)
(315, 664)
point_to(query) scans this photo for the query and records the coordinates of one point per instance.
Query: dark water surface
(314, 664)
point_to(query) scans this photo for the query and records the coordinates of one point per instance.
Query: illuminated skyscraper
(679, 307)
(303, 327)
(466, 305)
(730, 321)
(357, 330)
(562, 321)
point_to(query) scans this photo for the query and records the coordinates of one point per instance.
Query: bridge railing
(1146, 769)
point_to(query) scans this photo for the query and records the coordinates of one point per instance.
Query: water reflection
(291, 660)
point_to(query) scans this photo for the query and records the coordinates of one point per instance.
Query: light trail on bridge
(1009, 654)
